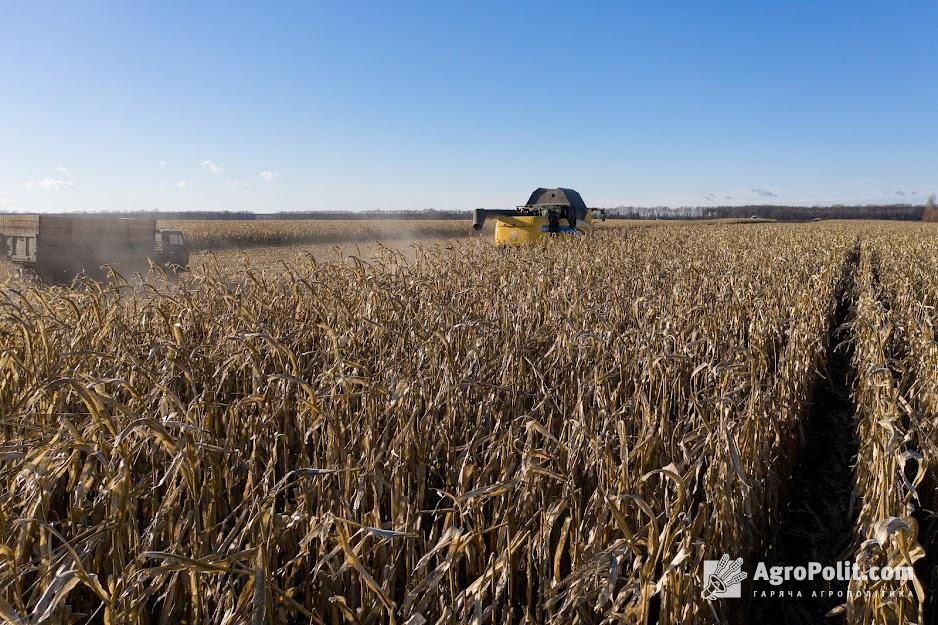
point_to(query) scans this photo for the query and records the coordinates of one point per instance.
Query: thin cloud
(764, 192)
(236, 183)
(215, 168)
(182, 184)
(64, 171)
(161, 163)
(269, 176)
(52, 184)
(727, 197)
(710, 196)
(897, 193)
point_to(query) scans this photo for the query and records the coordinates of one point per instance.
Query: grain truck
(59, 247)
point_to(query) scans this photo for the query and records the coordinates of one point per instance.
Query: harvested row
(896, 366)
(234, 234)
(551, 434)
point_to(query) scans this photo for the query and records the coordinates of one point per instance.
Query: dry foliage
(896, 365)
(560, 433)
(931, 209)
(227, 234)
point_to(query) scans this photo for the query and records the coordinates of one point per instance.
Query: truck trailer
(59, 247)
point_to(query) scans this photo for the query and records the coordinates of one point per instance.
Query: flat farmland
(558, 433)
(235, 234)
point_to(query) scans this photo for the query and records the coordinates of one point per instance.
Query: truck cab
(171, 248)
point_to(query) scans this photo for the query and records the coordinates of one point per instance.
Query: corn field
(559, 433)
(204, 234)
(897, 399)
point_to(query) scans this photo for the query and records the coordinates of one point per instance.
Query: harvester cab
(547, 212)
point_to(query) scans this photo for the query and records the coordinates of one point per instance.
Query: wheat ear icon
(726, 574)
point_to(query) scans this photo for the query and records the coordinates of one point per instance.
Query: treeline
(429, 213)
(900, 212)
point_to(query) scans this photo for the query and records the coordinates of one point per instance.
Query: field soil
(817, 523)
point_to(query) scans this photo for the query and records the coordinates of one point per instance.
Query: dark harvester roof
(557, 196)
(542, 196)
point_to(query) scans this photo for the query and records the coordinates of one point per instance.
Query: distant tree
(931, 209)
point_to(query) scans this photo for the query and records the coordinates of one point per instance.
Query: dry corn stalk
(555, 434)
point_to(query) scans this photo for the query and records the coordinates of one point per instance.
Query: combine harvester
(59, 247)
(548, 211)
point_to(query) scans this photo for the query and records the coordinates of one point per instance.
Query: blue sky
(307, 105)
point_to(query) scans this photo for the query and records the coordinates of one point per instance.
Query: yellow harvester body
(530, 228)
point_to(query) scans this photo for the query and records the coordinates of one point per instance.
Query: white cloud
(269, 176)
(64, 171)
(236, 183)
(49, 183)
(212, 167)
(161, 163)
(182, 184)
